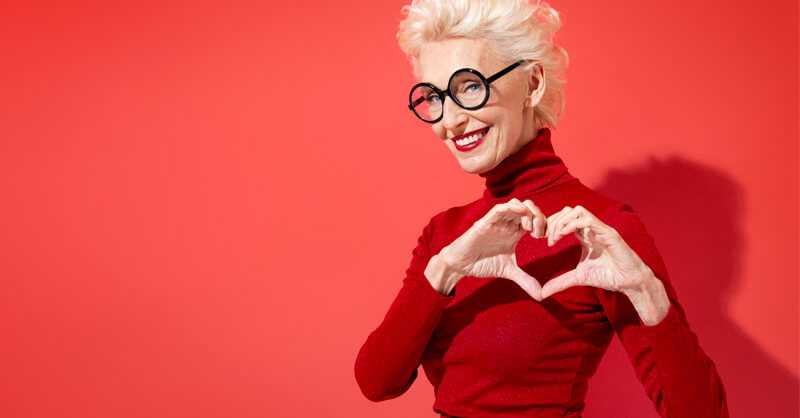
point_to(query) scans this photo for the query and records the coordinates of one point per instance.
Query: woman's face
(509, 120)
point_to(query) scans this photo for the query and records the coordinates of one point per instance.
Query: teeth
(468, 140)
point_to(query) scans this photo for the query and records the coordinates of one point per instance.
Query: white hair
(514, 29)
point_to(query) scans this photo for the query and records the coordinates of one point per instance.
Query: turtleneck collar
(532, 167)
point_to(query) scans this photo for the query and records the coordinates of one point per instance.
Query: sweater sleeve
(387, 362)
(677, 375)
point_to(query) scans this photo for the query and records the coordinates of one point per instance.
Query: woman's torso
(497, 352)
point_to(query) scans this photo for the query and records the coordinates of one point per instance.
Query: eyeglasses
(467, 87)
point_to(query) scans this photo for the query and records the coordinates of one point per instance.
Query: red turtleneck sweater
(490, 350)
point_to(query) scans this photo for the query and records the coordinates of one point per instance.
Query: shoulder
(631, 228)
(614, 212)
(447, 224)
(626, 221)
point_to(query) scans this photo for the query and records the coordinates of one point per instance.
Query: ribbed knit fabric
(490, 350)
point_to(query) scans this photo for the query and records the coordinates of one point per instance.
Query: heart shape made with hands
(606, 259)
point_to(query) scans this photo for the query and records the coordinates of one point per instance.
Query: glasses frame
(487, 81)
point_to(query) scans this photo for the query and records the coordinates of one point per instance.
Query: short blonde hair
(514, 29)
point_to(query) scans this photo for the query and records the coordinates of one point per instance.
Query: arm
(387, 363)
(677, 375)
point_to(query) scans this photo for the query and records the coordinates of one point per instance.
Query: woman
(510, 301)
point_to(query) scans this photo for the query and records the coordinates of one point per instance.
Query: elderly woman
(510, 301)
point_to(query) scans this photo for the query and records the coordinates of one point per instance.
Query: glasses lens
(468, 88)
(426, 103)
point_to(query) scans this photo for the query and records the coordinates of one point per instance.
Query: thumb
(562, 282)
(524, 280)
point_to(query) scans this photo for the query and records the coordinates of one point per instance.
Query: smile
(470, 140)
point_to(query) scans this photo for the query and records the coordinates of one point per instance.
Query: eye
(471, 85)
(432, 98)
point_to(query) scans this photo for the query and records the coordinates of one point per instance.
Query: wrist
(441, 275)
(650, 300)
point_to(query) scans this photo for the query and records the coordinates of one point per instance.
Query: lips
(481, 133)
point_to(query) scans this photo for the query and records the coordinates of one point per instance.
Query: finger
(539, 222)
(562, 282)
(552, 224)
(567, 217)
(527, 282)
(596, 231)
(527, 219)
(527, 223)
(538, 226)
(553, 219)
(511, 209)
(503, 212)
(520, 209)
(517, 212)
(571, 223)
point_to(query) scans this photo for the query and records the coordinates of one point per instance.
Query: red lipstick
(470, 140)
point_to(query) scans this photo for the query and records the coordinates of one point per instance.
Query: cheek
(499, 125)
(439, 130)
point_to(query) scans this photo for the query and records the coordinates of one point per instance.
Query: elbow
(372, 387)
(376, 386)
(373, 393)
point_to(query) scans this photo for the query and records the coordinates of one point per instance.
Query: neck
(532, 167)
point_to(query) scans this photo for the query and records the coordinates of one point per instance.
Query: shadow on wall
(694, 214)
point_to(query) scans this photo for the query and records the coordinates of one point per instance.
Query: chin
(475, 168)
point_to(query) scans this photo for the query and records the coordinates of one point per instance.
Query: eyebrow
(435, 85)
(450, 76)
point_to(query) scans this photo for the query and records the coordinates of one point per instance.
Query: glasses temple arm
(504, 71)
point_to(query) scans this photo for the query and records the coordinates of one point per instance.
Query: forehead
(438, 60)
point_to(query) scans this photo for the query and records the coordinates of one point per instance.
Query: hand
(487, 248)
(606, 260)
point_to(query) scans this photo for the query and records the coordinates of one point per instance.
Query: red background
(208, 207)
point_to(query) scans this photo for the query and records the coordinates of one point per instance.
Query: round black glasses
(467, 87)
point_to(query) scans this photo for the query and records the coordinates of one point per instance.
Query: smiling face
(509, 120)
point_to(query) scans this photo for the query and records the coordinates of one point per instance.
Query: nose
(454, 115)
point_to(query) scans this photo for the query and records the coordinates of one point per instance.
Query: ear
(536, 86)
